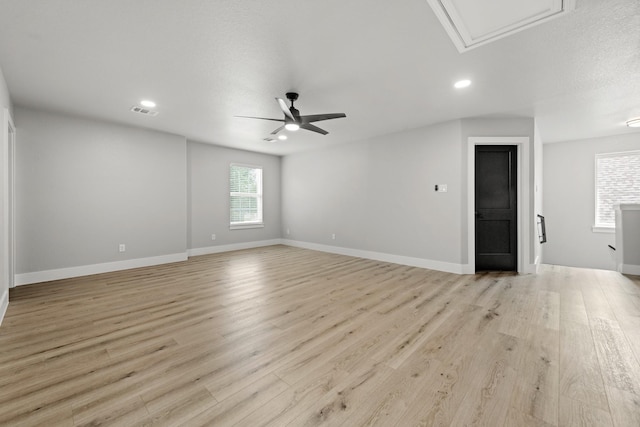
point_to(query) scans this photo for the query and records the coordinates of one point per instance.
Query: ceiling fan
(294, 121)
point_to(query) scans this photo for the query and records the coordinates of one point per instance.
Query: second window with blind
(617, 181)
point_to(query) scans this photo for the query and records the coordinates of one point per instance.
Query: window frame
(240, 225)
(604, 227)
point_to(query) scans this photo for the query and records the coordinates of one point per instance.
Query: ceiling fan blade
(260, 118)
(277, 130)
(318, 117)
(285, 109)
(313, 128)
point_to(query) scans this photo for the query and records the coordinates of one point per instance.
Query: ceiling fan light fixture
(634, 123)
(460, 84)
(292, 127)
(282, 137)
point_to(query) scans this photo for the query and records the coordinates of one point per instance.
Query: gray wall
(378, 195)
(85, 186)
(569, 201)
(208, 167)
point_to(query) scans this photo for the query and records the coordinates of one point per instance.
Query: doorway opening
(522, 235)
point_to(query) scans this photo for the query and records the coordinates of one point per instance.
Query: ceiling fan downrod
(292, 96)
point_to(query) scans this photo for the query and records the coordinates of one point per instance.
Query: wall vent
(142, 110)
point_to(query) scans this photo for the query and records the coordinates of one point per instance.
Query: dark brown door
(496, 209)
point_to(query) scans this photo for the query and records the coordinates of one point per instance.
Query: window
(617, 181)
(245, 196)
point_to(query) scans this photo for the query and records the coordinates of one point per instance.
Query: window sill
(243, 226)
(605, 230)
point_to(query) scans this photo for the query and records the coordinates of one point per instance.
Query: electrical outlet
(122, 247)
(333, 237)
(213, 237)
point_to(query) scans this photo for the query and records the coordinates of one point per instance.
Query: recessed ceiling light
(462, 84)
(292, 126)
(147, 103)
(282, 137)
(634, 123)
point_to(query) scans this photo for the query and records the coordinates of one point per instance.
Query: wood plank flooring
(283, 336)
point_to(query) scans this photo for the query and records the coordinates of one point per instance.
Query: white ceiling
(389, 66)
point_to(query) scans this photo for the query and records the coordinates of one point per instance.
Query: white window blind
(245, 196)
(617, 181)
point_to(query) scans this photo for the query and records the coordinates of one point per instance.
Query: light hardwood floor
(284, 336)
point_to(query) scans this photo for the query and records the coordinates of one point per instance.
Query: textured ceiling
(388, 65)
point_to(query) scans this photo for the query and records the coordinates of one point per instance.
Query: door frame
(523, 215)
(8, 159)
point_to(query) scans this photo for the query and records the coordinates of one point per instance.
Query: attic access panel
(471, 23)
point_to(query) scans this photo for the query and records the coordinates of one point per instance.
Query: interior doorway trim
(523, 199)
(8, 191)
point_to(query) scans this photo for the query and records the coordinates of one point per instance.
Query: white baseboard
(66, 273)
(468, 269)
(233, 247)
(86, 270)
(533, 268)
(448, 267)
(631, 269)
(4, 304)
